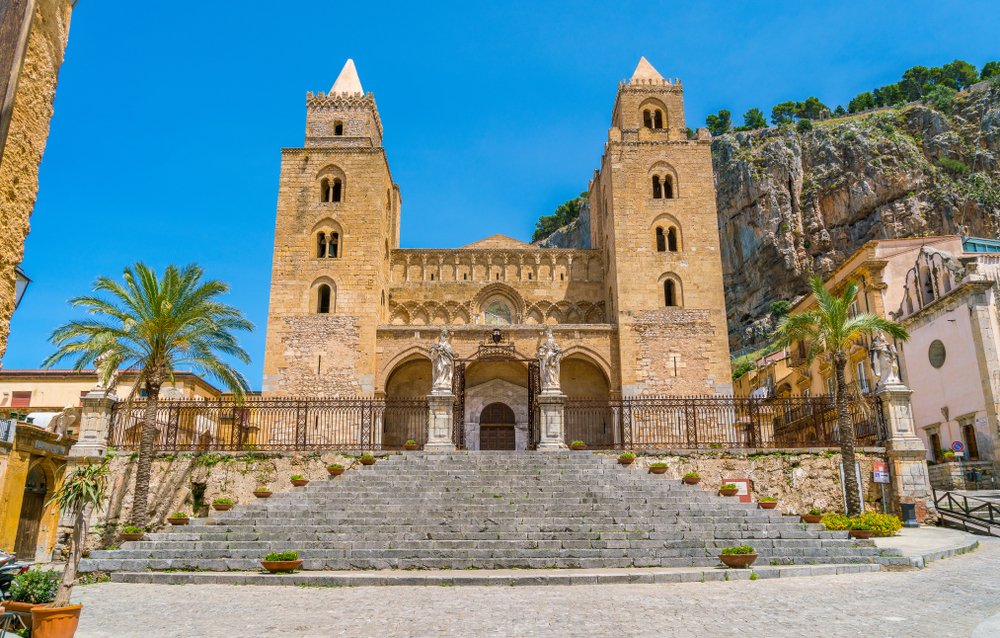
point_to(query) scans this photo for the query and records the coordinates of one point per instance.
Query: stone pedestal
(440, 418)
(551, 423)
(95, 426)
(906, 454)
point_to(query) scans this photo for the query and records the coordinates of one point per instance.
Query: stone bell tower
(653, 214)
(337, 220)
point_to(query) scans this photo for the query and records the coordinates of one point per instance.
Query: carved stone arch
(411, 354)
(591, 356)
(313, 294)
(456, 313)
(398, 315)
(439, 313)
(596, 313)
(327, 227)
(662, 168)
(420, 316)
(573, 314)
(666, 280)
(652, 104)
(666, 221)
(534, 315)
(328, 176)
(497, 291)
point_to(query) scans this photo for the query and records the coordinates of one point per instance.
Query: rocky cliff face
(575, 234)
(792, 204)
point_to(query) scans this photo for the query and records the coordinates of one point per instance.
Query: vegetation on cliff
(565, 213)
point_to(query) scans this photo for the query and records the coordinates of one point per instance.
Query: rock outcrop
(793, 204)
(575, 234)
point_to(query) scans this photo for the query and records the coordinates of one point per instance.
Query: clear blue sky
(170, 116)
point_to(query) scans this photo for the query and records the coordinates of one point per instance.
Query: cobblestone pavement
(948, 598)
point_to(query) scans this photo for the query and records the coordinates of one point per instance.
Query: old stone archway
(36, 489)
(409, 380)
(497, 427)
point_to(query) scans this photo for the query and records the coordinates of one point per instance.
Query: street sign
(880, 472)
(957, 446)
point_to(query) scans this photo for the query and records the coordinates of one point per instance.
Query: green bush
(410, 442)
(815, 512)
(367, 457)
(858, 525)
(178, 515)
(658, 464)
(728, 486)
(577, 444)
(35, 586)
(132, 529)
(335, 466)
(276, 556)
(224, 501)
(804, 125)
(954, 166)
(836, 522)
(881, 524)
(767, 499)
(629, 456)
(739, 549)
(692, 475)
(297, 477)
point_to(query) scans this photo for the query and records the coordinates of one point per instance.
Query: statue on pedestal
(549, 357)
(885, 361)
(442, 363)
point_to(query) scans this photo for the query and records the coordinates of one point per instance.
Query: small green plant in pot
(132, 533)
(578, 445)
(281, 562)
(860, 530)
(223, 504)
(626, 458)
(728, 489)
(659, 467)
(767, 502)
(262, 491)
(814, 515)
(178, 518)
(298, 480)
(31, 589)
(410, 445)
(335, 469)
(738, 557)
(367, 459)
(691, 478)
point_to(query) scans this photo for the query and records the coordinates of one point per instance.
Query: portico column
(552, 420)
(906, 453)
(440, 420)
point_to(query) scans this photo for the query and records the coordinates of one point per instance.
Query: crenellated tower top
(345, 116)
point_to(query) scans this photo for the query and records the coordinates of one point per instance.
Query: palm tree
(154, 325)
(831, 330)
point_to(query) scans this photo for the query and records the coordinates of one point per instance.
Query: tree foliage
(990, 69)
(753, 119)
(719, 124)
(564, 214)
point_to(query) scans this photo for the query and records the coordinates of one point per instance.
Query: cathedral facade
(640, 311)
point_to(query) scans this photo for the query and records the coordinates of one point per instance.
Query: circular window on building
(498, 312)
(936, 353)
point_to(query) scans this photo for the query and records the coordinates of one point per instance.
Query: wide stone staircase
(488, 510)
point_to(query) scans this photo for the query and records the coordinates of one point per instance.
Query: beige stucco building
(639, 311)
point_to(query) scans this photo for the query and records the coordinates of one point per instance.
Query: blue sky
(170, 116)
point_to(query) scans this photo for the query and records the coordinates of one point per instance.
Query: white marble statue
(884, 360)
(443, 363)
(549, 357)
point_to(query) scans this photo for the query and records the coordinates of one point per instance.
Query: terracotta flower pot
(262, 493)
(21, 609)
(222, 507)
(335, 471)
(691, 480)
(812, 518)
(411, 446)
(275, 566)
(578, 447)
(626, 460)
(657, 470)
(861, 533)
(55, 622)
(767, 505)
(730, 492)
(300, 482)
(132, 537)
(738, 561)
(178, 521)
(370, 461)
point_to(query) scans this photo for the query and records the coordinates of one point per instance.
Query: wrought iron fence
(711, 422)
(271, 424)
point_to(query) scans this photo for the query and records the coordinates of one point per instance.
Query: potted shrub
(410, 445)
(367, 459)
(132, 533)
(281, 562)
(738, 557)
(262, 491)
(880, 524)
(860, 530)
(658, 467)
(31, 589)
(691, 478)
(728, 489)
(178, 518)
(767, 502)
(578, 445)
(626, 458)
(81, 492)
(814, 516)
(299, 481)
(223, 504)
(335, 469)
(949, 456)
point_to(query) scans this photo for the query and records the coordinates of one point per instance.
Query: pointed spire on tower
(644, 72)
(348, 82)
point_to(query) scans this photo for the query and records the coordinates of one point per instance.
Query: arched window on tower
(658, 119)
(321, 245)
(657, 187)
(668, 187)
(338, 128)
(325, 192)
(323, 299)
(333, 247)
(336, 189)
(669, 293)
(671, 239)
(661, 244)
(647, 119)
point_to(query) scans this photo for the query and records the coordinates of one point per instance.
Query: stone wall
(951, 476)
(29, 131)
(799, 480)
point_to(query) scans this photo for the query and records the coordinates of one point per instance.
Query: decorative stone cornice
(323, 101)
